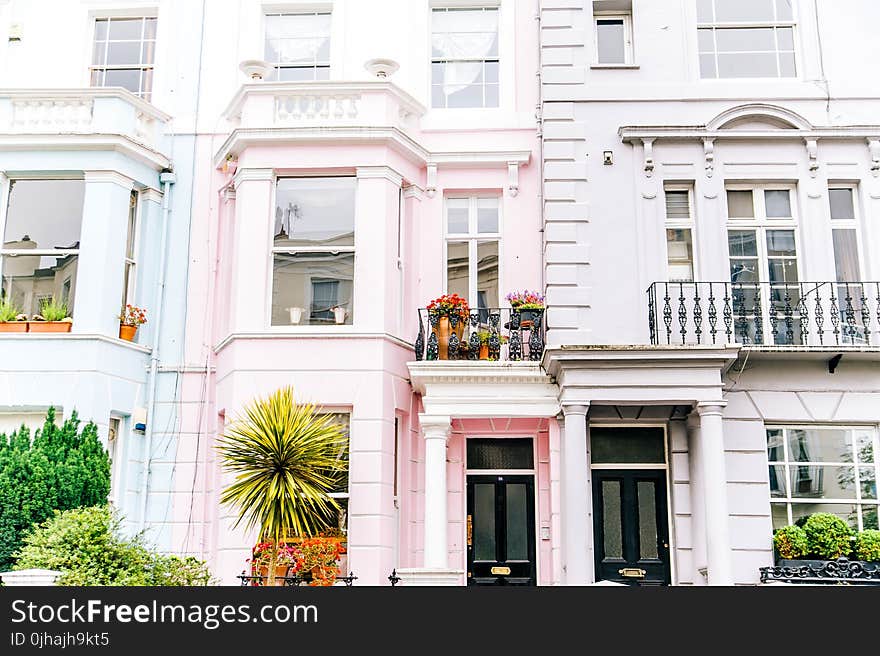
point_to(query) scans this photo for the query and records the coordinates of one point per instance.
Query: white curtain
(463, 35)
(297, 38)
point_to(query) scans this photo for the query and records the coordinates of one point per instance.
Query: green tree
(62, 467)
(285, 459)
(88, 547)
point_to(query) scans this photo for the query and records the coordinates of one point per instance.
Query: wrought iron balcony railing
(483, 334)
(811, 314)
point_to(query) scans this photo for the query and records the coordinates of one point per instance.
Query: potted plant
(131, 317)
(813, 540)
(528, 305)
(868, 546)
(54, 317)
(295, 315)
(484, 336)
(11, 319)
(339, 313)
(284, 459)
(442, 308)
(320, 559)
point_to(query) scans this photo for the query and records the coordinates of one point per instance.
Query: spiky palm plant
(285, 458)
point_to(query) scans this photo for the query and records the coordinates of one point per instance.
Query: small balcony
(812, 315)
(74, 113)
(489, 334)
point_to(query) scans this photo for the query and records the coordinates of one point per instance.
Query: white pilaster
(575, 492)
(718, 554)
(436, 431)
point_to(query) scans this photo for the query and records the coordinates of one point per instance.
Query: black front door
(630, 526)
(501, 530)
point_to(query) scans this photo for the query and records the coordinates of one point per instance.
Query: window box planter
(49, 326)
(13, 326)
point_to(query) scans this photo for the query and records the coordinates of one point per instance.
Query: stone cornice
(85, 142)
(113, 177)
(252, 175)
(630, 134)
(578, 357)
(424, 373)
(380, 172)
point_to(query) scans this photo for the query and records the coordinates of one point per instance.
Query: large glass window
(41, 242)
(746, 38)
(679, 235)
(845, 242)
(123, 53)
(613, 32)
(464, 57)
(313, 251)
(762, 253)
(472, 249)
(298, 46)
(129, 276)
(819, 469)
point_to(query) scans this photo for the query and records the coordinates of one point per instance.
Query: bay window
(472, 249)
(41, 235)
(313, 251)
(464, 57)
(298, 46)
(823, 469)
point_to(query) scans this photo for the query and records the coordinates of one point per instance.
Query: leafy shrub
(8, 311)
(52, 310)
(868, 545)
(791, 542)
(828, 536)
(87, 546)
(62, 467)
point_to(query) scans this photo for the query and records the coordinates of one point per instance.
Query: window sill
(615, 66)
(75, 337)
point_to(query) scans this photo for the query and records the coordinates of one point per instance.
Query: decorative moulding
(874, 150)
(386, 172)
(431, 180)
(513, 178)
(812, 146)
(648, 145)
(709, 154)
(382, 68)
(109, 176)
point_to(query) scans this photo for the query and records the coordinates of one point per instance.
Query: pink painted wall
(233, 355)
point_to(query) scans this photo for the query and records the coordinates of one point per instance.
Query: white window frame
(849, 224)
(129, 293)
(273, 250)
(42, 252)
(628, 57)
(116, 453)
(716, 25)
(472, 238)
(682, 224)
(276, 66)
(476, 6)
(147, 93)
(789, 463)
(761, 224)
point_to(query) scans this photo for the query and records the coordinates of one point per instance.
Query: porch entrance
(500, 523)
(630, 517)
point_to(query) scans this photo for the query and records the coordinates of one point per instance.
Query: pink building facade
(339, 204)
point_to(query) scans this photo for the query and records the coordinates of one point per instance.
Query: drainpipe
(166, 178)
(539, 118)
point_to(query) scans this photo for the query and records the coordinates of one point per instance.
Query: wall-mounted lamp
(607, 157)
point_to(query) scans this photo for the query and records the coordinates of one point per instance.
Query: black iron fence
(294, 580)
(812, 314)
(840, 571)
(490, 334)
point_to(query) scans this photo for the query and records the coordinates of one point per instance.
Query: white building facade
(711, 203)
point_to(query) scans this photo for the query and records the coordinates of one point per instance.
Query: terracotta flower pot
(13, 327)
(127, 332)
(49, 326)
(484, 351)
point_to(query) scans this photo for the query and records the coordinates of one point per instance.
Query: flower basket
(131, 317)
(448, 305)
(127, 332)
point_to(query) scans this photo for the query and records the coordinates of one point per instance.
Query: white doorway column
(719, 559)
(576, 495)
(436, 432)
